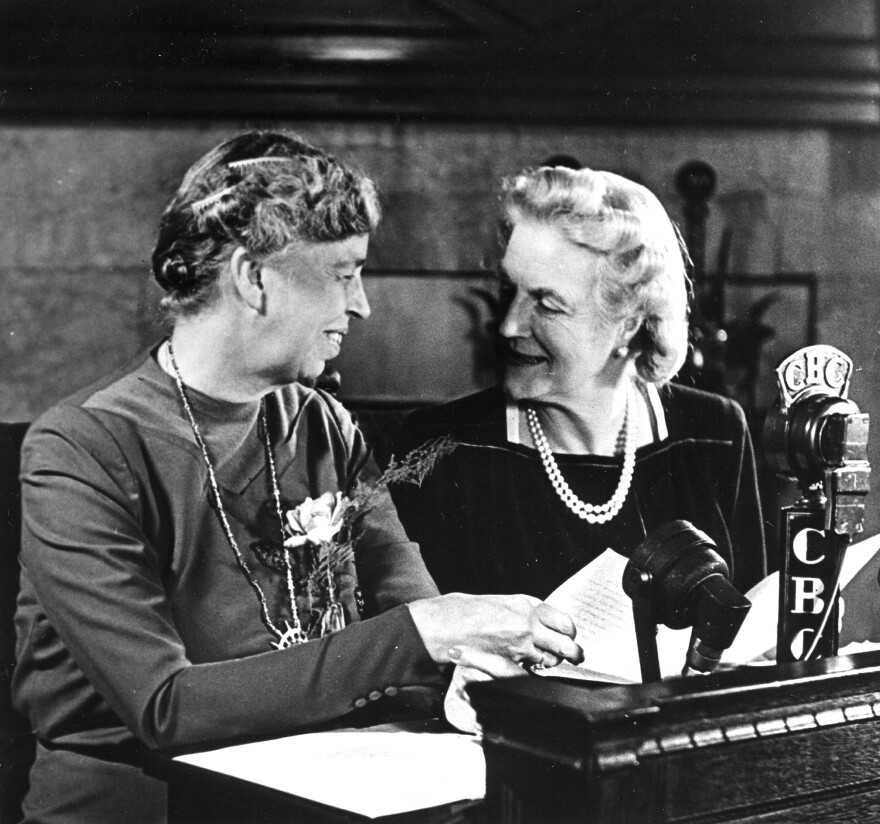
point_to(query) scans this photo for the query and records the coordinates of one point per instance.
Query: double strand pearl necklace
(591, 513)
(291, 635)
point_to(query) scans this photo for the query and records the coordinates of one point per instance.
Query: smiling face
(559, 347)
(312, 291)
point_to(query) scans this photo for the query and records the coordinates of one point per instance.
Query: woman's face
(312, 292)
(558, 346)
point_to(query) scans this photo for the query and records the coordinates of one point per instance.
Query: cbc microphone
(688, 586)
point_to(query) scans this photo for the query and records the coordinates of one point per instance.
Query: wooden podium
(788, 743)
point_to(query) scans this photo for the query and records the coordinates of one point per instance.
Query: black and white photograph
(439, 411)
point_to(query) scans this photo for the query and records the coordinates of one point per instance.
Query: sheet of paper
(602, 613)
(580, 672)
(367, 772)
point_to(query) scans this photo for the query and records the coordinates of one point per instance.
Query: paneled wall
(78, 207)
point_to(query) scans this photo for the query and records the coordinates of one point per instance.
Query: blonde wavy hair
(643, 258)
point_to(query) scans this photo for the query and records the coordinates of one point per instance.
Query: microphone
(675, 577)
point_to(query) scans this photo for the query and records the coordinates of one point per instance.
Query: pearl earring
(621, 352)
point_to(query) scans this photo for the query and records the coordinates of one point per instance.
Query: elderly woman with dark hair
(586, 446)
(190, 575)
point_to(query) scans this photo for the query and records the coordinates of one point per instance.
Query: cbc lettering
(801, 549)
(804, 638)
(807, 590)
(815, 369)
(801, 642)
(806, 595)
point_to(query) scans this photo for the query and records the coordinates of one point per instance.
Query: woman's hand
(496, 634)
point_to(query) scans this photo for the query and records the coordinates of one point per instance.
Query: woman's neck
(593, 424)
(212, 362)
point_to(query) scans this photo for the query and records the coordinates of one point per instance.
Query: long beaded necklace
(291, 635)
(591, 513)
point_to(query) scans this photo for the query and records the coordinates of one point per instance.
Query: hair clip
(201, 206)
(242, 166)
(248, 163)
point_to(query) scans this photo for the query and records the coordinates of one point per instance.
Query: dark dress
(488, 520)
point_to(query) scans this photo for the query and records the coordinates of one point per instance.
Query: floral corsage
(322, 533)
(314, 526)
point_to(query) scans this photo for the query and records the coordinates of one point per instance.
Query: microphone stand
(646, 629)
(815, 435)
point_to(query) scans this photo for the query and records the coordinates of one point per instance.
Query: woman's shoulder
(699, 413)
(307, 407)
(320, 418)
(76, 437)
(95, 407)
(478, 417)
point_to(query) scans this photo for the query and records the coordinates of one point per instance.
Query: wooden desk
(782, 744)
(790, 743)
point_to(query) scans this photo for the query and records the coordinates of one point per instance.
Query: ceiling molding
(631, 61)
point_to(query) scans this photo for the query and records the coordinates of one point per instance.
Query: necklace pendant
(333, 619)
(291, 637)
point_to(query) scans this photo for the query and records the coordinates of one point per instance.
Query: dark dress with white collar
(488, 520)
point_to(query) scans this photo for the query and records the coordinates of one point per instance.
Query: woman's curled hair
(643, 259)
(261, 190)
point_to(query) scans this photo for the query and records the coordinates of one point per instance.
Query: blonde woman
(586, 445)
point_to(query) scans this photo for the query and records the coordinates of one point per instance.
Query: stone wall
(79, 206)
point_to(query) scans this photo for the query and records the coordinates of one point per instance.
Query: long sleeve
(134, 606)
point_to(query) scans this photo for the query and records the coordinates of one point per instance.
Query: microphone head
(679, 558)
(689, 586)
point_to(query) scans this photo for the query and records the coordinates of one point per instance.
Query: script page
(602, 613)
(370, 772)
